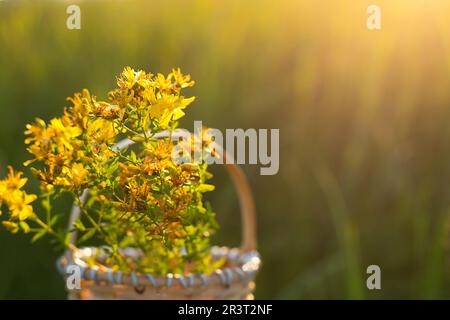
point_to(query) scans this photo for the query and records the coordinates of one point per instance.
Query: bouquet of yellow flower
(138, 197)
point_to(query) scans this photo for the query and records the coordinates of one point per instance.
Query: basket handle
(247, 207)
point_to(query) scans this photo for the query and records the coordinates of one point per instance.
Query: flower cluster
(17, 201)
(138, 197)
(147, 99)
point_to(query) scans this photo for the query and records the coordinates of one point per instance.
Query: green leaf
(137, 138)
(87, 235)
(25, 227)
(79, 226)
(38, 235)
(133, 156)
(54, 220)
(67, 238)
(46, 204)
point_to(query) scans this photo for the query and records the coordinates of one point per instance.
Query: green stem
(53, 233)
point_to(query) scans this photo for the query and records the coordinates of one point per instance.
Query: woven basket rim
(247, 264)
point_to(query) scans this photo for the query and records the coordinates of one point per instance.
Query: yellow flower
(19, 204)
(147, 97)
(102, 131)
(169, 107)
(182, 81)
(130, 78)
(74, 177)
(58, 139)
(17, 201)
(163, 83)
(11, 226)
(78, 175)
(14, 181)
(37, 132)
(3, 190)
(108, 111)
(62, 132)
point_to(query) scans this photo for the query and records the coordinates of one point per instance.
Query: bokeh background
(364, 119)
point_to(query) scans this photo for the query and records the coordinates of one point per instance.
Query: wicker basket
(234, 281)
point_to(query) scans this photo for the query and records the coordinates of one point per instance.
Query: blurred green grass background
(364, 120)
